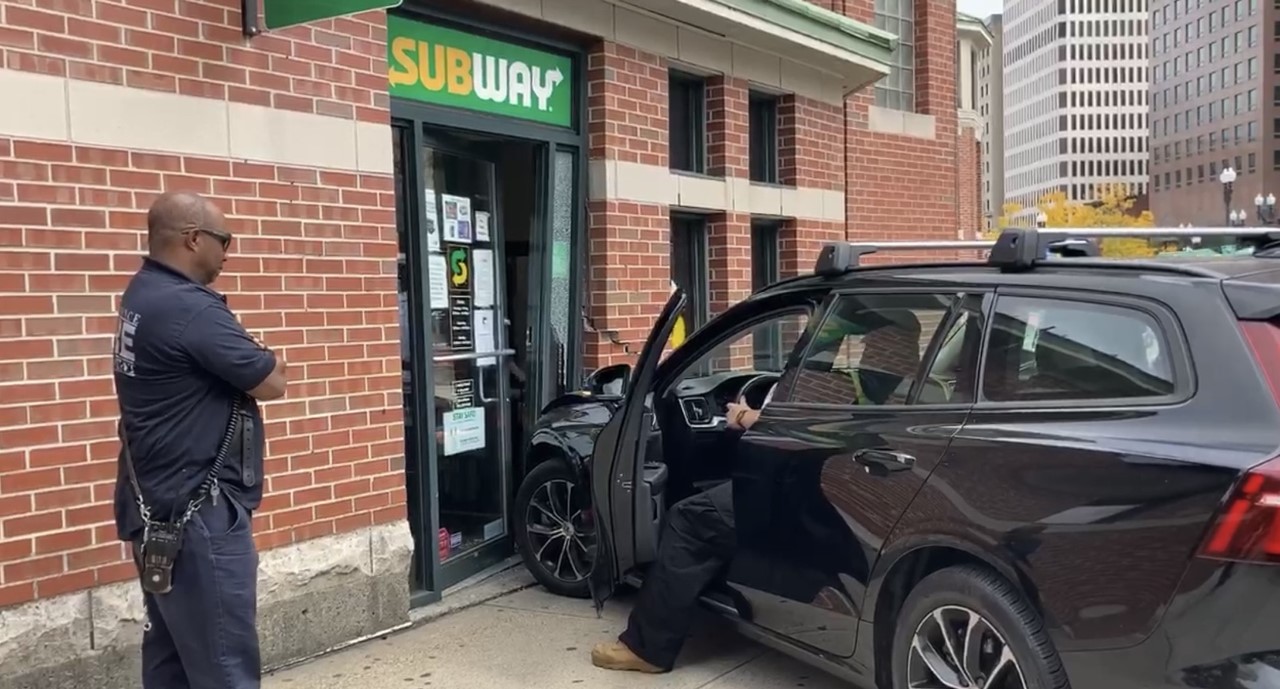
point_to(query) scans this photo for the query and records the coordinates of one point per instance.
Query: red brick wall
(629, 263)
(335, 67)
(311, 269)
(630, 243)
(729, 268)
(904, 187)
(810, 143)
(810, 154)
(969, 182)
(728, 127)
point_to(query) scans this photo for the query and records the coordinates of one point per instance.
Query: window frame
(928, 357)
(1175, 338)
(741, 316)
(766, 235)
(897, 64)
(688, 366)
(698, 245)
(697, 125)
(767, 106)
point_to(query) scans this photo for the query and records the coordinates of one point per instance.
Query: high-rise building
(1075, 97)
(1207, 63)
(991, 110)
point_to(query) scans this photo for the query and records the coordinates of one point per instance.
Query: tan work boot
(616, 656)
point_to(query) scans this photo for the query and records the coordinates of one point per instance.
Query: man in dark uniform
(188, 377)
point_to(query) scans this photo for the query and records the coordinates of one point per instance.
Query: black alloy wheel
(966, 627)
(554, 530)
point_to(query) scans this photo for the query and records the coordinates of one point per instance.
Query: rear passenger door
(1071, 471)
(857, 424)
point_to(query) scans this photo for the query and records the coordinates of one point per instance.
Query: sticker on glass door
(464, 430)
(457, 218)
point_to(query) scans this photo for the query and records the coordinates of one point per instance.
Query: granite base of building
(312, 596)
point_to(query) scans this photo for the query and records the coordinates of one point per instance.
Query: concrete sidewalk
(531, 638)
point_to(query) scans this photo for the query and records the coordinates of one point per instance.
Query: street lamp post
(1228, 179)
(1237, 218)
(1266, 208)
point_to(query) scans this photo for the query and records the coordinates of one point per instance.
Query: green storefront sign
(281, 13)
(447, 67)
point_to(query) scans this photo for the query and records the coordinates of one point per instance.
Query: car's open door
(616, 461)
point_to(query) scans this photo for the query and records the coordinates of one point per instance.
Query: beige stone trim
(36, 106)
(888, 121)
(616, 180)
(972, 120)
(348, 585)
(86, 112)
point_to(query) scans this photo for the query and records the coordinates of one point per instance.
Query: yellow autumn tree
(1114, 208)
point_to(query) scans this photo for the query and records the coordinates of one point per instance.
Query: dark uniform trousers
(696, 545)
(202, 634)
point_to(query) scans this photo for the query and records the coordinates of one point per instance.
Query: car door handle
(884, 461)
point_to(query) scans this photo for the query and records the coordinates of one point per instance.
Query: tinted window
(868, 350)
(1049, 349)
(746, 350)
(953, 376)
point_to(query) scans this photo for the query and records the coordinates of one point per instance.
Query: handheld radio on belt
(162, 539)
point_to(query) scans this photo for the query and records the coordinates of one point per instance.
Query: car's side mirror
(609, 381)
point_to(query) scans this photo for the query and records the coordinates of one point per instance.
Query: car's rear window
(1058, 349)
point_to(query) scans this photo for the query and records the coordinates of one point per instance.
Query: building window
(689, 264)
(898, 90)
(764, 252)
(687, 122)
(767, 345)
(764, 138)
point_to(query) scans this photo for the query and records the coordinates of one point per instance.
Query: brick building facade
(291, 133)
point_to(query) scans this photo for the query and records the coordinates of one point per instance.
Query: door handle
(882, 462)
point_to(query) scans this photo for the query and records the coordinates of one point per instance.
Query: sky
(981, 8)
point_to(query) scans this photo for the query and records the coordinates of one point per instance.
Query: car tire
(556, 473)
(943, 600)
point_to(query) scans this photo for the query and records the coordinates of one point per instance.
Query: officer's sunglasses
(220, 236)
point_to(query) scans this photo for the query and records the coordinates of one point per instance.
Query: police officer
(188, 377)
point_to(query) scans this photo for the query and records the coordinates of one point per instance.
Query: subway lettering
(441, 67)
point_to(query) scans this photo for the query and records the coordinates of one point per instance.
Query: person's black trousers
(203, 633)
(695, 546)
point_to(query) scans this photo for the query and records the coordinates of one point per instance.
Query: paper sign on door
(464, 430)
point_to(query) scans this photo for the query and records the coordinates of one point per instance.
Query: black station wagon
(1036, 469)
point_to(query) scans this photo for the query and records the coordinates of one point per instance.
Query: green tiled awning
(859, 53)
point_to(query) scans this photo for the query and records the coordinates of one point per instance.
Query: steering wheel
(758, 381)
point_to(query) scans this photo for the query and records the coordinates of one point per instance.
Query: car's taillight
(1247, 528)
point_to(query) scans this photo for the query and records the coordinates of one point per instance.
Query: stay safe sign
(447, 67)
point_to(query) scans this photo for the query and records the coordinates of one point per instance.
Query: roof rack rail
(1019, 248)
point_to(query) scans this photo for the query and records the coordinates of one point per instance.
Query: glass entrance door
(470, 355)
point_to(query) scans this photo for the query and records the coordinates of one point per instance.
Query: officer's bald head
(171, 216)
(187, 232)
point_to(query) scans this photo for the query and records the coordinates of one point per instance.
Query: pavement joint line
(512, 608)
(407, 626)
(760, 653)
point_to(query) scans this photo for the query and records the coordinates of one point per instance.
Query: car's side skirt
(846, 669)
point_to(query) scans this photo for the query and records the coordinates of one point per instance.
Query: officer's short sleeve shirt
(181, 359)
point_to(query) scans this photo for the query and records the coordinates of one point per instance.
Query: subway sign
(442, 66)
